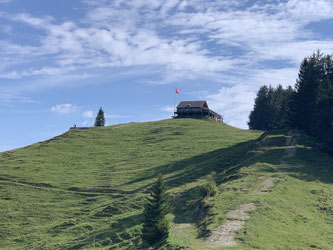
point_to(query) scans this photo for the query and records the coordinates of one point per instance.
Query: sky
(60, 61)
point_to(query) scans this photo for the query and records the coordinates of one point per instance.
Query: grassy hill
(86, 188)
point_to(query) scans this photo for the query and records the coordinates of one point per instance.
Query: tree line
(307, 106)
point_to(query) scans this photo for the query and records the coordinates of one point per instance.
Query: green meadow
(86, 189)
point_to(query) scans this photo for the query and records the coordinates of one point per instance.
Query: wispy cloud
(64, 108)
(9, 98)
(167, 109)
(87, 123)
(270, 31)
(233, 43)
(88, 114)
(233, 103)
(114, 116)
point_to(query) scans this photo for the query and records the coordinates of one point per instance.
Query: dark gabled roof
(193, 104)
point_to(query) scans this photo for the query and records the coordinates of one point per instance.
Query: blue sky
(62, 60)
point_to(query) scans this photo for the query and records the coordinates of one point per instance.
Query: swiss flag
(177, 92)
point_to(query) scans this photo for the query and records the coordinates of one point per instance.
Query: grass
(297, 213)
(86, 188)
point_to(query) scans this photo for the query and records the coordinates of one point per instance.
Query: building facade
(195, 109)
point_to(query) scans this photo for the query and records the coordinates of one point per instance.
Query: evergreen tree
(304, 99)
(285, 112)
(156, 226)
(259, 117)
(312, 103)
(309, 107)
(279, 107)
(271, 108)
(322, 127)
(100, 120)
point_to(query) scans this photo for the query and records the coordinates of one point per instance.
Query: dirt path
(291, 150)
(267, 184)
(225, 234)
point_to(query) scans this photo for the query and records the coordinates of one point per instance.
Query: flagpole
(174, 104)
(174, 101)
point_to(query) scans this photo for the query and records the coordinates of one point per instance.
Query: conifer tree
(271, 108)
(156, 226)
(322, 127)
(100, 120)
(304, 101)
(308, 107)
(259, 117)
(312, 103)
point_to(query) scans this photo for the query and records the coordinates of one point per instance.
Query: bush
(209, 188)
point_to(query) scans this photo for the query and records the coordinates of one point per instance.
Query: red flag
(177, 92)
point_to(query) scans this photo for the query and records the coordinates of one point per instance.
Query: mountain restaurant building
(195, 109)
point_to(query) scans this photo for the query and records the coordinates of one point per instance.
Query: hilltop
(86, 188)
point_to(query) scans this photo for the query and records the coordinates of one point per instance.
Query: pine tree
(156, 226)
(322, 127)
(312, 103)
(100, 120)
(271, 108)
(304, 102)
(279, 107)
(308, 107)
(285, 112)
(259, 117)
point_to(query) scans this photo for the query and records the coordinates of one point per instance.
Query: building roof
(193, 104)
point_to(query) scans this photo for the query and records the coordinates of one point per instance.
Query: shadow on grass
(308, 163)
(121, 234)
(222, 161)
(311, 165)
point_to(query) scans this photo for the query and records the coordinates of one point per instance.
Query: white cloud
(234, 104)
(114, 116)
(168, 5)
(271, 31)
(64, 108)
(294, 51)
(167, 109)
(309, 10)
(87, 123)
(266, 76)
(225, 41)
(88, 114)
(121, 45)
(31, 20)
(9, 98)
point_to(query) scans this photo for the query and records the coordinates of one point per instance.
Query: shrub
(209, 188)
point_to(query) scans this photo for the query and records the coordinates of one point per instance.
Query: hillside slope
(86, 188)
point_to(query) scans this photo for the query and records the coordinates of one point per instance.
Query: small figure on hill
(100, 120)
(155, 229)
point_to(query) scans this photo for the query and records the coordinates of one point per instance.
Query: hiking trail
(225, 235)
